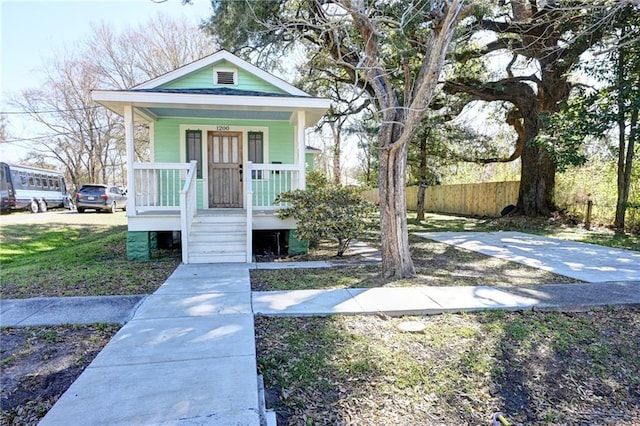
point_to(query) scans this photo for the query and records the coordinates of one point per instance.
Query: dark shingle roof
(225, 91)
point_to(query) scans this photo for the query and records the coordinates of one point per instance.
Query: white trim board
(219, 56)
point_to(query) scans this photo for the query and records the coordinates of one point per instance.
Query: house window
(256, 152)
(227, 77)
(194, 149)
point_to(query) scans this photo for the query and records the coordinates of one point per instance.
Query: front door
(225, 169)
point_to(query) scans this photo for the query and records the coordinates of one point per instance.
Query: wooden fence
(474, 199)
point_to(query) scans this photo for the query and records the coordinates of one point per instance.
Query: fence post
(587, 223)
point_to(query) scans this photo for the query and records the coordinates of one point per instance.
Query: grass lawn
(54, 259)
(537, 368)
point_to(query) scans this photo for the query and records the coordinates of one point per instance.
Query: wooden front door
(225, 169)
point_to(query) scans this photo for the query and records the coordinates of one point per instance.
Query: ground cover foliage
(54, 259)
(539, 368)
(40, 363)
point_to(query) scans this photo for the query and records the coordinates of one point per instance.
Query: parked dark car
(100, 197)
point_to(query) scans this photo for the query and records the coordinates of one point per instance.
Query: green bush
(324, 211)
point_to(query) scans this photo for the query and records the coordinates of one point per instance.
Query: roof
(224, 91)
(219, 56)
(312, 150)
(151, 101)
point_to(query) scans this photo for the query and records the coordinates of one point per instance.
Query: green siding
(203, 79)
(280, 142)
(309, 159)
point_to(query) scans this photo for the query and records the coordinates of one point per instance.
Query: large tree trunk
(537, 181)
(336, 152)
(538, 171)
(396, 256)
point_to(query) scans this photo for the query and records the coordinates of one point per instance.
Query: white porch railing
(158, 186)
(269, 180)
(248, 202)
(188, 209)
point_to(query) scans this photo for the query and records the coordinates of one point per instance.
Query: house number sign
(222, 128)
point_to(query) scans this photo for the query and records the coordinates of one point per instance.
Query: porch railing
(188, 209)
(269, 180)
(248, 202)
(158, 185)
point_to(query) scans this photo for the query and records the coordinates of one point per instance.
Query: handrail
(277, 167)
(188, 209)
(164, 166)
(249, 209)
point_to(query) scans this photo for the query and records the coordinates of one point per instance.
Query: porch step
(218, 238)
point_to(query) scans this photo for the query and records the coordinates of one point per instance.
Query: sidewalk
(67, 310)
(435, 300)
(187, 357)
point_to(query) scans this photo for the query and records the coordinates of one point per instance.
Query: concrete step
(216, 247)
(203, 228)
(219, 219)
(228, 257)
(217, 237)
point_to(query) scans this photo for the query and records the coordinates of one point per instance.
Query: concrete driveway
(586, 262)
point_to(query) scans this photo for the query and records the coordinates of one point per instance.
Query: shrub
(325, 211)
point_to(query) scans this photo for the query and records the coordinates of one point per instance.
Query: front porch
(166, 197)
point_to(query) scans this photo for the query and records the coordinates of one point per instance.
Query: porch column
(300, 127)
(128, 136)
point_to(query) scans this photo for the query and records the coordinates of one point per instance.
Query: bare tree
(156, 47)
(87, 139)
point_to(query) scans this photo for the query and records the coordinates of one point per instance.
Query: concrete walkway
(586, 262)
(187, 357)
(436, 300)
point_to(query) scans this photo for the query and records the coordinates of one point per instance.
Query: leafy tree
(608, 112)
(392, 50)
(545, 41)
(326, 211)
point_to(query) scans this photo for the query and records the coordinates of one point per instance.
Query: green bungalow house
(226, 137)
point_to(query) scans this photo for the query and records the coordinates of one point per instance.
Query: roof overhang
(151, 105)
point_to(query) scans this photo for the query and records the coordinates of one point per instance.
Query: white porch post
(128, 134)
(299, 129)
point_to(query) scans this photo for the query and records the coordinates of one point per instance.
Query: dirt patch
(40, 363)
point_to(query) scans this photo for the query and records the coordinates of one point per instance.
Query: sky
(31, 31)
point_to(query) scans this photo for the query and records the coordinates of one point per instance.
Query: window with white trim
(194, 149)
(256, 152)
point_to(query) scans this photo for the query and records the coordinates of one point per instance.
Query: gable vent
(227, 77)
